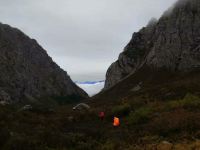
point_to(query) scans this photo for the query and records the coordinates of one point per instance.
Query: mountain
(170, 43)
(27, 72)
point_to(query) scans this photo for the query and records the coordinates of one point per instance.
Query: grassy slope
(166, 108)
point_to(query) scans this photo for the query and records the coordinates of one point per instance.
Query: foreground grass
(143, 123)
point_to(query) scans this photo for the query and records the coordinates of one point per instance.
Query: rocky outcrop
(27, 71)
(172, 42)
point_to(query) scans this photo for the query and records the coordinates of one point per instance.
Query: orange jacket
(116, 122)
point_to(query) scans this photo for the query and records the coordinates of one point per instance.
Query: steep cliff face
(172, 42)
(27, 71)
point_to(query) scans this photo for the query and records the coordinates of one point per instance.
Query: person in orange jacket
(116, 122)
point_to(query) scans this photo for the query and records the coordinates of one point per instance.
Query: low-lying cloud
(91, 88)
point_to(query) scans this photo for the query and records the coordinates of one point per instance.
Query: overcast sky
(82, 36)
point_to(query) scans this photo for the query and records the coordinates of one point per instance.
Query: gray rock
(4, 97)
(137, 87)
(70, 118)
(172, 42)
(4, 103)
(81, 106)
(28, 71)
(26, 108)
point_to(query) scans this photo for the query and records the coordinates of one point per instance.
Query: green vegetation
(189, 101)
(108, 145)
(142, 121)
(121, 110)
(141, 115)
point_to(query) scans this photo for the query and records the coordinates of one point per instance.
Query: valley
(152, 90)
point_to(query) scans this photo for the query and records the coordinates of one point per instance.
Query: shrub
(109, 145)
(121, 110)
(139, 116)
(189, 101)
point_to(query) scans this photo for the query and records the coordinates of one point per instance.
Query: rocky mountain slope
(27, 72)
(171, 43)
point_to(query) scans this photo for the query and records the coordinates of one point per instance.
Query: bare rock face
(28, 71)
(172, 42)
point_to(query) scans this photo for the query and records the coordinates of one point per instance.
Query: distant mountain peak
(27, 71)
(172, 43)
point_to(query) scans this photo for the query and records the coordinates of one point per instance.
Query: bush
(189, 101)
(139, 116)
(121, 110)
(109, 145)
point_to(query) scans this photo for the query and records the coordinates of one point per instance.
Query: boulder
(26, 108)
(81, 106)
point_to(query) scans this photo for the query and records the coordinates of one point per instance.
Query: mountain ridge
(27, 72)
(171, 43)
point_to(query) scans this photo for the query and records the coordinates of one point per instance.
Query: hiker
(101, 115)
(116, 122)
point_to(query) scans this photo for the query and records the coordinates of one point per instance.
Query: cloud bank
(91, 88)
